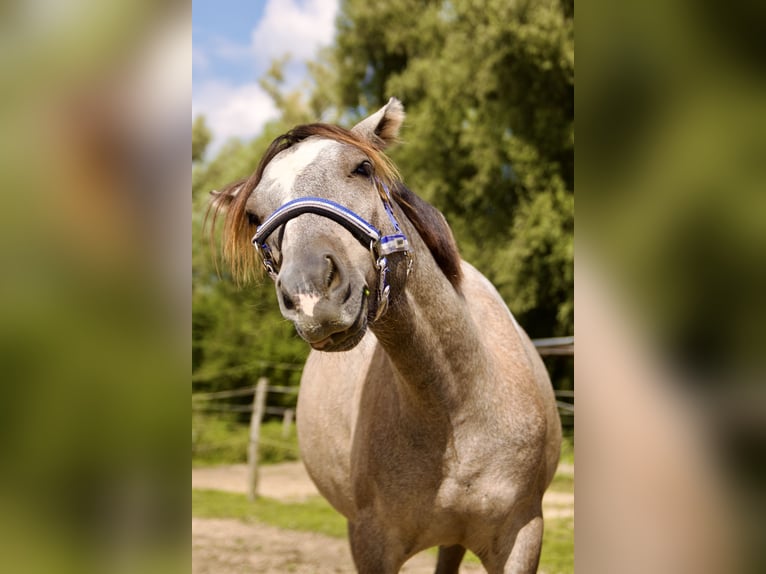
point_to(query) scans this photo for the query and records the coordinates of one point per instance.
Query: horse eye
(253, 220)
(364, 168)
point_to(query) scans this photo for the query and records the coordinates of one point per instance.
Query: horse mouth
(348, 338)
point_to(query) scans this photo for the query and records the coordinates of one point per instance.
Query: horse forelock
(232, 199)
(238, 229)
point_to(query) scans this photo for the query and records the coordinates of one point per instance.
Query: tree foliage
(200, 138)
(489, 139)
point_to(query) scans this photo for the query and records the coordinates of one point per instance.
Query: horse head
(319, 206)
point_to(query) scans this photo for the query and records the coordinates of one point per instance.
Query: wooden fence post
(287, 422)
(259, 404)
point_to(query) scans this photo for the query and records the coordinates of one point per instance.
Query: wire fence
(547, 347)
(204, 402)
(199, 398)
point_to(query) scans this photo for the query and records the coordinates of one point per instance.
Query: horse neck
(430, 337)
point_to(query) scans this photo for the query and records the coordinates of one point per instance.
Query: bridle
(380, 246)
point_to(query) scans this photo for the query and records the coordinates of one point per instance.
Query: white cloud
(297, 27)
(232, 111)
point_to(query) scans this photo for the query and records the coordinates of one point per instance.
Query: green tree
(489, 89)
(200, 138)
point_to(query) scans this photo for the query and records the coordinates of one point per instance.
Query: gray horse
(425, 415)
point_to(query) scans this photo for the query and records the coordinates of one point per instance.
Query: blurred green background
(94, 320)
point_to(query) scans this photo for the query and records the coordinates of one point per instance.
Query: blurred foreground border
(670, 277)
(94, 299)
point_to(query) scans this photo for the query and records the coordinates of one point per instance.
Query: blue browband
(367, 234)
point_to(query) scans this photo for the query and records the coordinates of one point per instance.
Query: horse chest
(435, 463)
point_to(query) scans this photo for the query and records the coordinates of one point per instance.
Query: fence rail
(241, 392)
(551, 346)
(555, 346)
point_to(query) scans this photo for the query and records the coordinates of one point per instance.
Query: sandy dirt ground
(231, 546)
(223, 546)
(285, 481)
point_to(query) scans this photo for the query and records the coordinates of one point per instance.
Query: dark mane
(434, 230)
(231, 201)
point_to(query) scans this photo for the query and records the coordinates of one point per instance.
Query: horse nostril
(332, 272)
(287, 301)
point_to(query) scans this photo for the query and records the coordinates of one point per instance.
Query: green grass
(558, 546)
(313, 515)
(558, 537)
(216, 440)
(562, 482)
(316, 515)
(567, 449)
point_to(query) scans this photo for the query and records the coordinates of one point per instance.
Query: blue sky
(233, 44)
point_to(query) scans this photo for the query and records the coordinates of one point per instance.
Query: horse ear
(382, 127)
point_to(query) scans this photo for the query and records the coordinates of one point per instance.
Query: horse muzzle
(369, 236)
(317, 295)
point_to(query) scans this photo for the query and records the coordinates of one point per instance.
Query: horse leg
(372, 550)
(449, 559)
(525, 554)
(519, 551)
